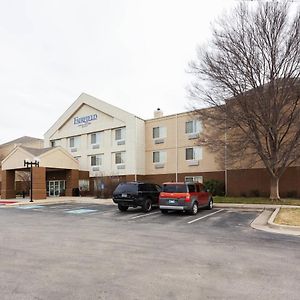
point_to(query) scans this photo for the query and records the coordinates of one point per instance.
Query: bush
(254, 193)
(216, 187)
(292, 194)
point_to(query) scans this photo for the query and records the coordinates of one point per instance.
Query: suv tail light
(187, 198)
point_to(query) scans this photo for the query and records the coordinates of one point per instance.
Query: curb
(262, 222)
(274, 225)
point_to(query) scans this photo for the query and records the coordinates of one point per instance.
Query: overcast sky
(130, 53)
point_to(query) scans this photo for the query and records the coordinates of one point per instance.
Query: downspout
(176, 141)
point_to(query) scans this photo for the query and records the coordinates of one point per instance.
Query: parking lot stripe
(206, 216)
(145, 215)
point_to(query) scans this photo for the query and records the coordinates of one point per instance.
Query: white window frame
(197, 153)
(162, 157)
(97, 139)
(98, 160)
(122, 158)
(196, 127)
(193, 179)
(76, 142)
(122, 134)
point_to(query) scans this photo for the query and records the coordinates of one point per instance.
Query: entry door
(56, 188)
(51, 189)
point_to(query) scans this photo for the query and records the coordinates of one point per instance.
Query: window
(74, 142)
(119, 158)
(191, 188)
(120, 134)
(189, 153)
(193, 153)
(159, 132)
(96, 160)
(193, 126)
(194, 179)
(159, 157)
(84, 185)
(95, 138)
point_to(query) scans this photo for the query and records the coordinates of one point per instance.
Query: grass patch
(288, 216)
(255, 200)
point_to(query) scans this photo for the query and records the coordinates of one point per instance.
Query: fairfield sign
(85, 121)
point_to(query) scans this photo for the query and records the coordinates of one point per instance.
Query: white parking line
(145, 215)
(206, 216)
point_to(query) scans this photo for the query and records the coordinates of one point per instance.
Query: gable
(84, 120)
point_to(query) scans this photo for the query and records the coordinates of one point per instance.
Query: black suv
(134, 194)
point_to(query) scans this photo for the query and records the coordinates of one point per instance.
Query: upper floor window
(159, 132)
(119, 158)
(159, 157)
(120, 134)
(193, 126)
(74, 142)
(96, 160)
(193, 153)
(95, 139)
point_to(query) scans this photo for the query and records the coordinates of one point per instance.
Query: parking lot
(93, 251)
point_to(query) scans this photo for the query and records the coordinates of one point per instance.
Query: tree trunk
(274, 188)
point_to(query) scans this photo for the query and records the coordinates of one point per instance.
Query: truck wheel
(147, 205)
(194, 209)
(122, 207)
(210, 204)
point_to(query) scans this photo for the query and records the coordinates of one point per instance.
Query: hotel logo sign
(85, 121)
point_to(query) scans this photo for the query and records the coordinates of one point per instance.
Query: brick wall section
(8, 184)
(248, 181)
(72, 181)
(38, 183)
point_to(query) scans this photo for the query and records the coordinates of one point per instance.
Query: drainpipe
(176, 175)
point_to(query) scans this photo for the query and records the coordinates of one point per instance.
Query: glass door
(56, 188)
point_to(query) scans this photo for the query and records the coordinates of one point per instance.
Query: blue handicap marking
(30, 206)
(80, 211)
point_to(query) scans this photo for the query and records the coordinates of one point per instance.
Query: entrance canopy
(51, 160)
(54, 157)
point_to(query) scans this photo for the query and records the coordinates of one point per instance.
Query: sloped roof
(21, 140)
(36, 151)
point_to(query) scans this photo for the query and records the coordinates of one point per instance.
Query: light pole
(30, 164)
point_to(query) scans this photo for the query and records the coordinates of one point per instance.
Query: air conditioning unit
(95, 169)
(193, 136)
(159, 165)
(159, 141)
(120, 167)
(96, 146)
(193, 162)
(122, 142)
(73, 149)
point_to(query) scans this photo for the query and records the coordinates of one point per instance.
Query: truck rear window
(126, 188)
(174, 188)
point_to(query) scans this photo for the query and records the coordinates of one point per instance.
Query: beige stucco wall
(176, 138)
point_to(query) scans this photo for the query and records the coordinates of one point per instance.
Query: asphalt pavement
(93, 251)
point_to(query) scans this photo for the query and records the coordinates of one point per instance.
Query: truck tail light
(188, 198)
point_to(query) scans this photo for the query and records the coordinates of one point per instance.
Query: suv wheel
(210, 204)
(194, 209)
(147, 205)
(122, 207)
(164, 211)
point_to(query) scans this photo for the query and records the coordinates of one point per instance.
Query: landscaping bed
(288, 216)
(255, 200)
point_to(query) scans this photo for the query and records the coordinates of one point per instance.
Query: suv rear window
(174, 188)
(126, 188)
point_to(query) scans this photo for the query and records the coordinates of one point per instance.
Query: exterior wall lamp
(30, 164)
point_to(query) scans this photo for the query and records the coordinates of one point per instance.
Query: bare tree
(24, 178)
(248, 76)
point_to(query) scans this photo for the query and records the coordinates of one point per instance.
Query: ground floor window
(84, 185)
(194, 179)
